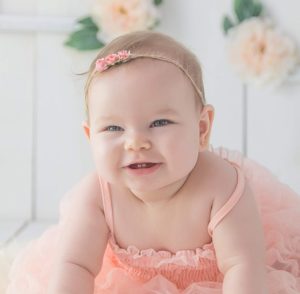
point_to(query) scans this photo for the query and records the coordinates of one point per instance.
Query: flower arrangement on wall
(258, 51)
(112, 18)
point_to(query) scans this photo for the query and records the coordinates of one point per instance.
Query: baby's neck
(159, 199)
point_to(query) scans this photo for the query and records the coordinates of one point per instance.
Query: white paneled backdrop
(43, 151)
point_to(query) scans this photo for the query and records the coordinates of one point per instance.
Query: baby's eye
(113, 128)
(160, 123)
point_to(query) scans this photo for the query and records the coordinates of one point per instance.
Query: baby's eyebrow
(167, 111)
(163, 111)
(105, 118)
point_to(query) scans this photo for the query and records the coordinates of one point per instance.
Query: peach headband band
(123, 56)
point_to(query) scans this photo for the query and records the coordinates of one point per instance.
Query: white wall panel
(16, 113)
(62, 151)
(274, 131)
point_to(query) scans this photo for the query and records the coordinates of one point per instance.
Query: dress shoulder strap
(231, 202)
(107, 204)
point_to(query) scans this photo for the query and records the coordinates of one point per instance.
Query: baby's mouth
(141, 165)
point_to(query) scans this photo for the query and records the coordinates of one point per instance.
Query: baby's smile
(143, 168)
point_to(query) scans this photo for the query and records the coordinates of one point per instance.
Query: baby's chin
(147, 187)
(156, 190)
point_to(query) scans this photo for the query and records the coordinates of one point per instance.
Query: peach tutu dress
(130, 270)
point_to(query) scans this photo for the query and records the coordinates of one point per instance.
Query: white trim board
(18, 23)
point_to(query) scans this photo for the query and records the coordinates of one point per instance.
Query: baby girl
(163, 212)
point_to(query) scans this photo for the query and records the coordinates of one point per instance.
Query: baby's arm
(240, 251)
(83, 240)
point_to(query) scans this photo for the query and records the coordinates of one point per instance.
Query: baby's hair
(148, 44)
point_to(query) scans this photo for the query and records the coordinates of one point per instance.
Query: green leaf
(257, 9)
(245, 9)
(227, 24)
(157, 2)
(240, 9)
(84, 39)
(87, 22)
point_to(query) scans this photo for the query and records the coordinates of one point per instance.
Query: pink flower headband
(123, 56)
(103, 64)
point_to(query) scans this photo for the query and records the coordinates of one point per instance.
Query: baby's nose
(136, 143)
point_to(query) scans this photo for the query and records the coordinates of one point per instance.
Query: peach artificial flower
(261, 54)
(117, 17)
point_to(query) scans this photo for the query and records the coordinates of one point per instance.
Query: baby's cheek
(185, 148)
(185, 141)
(107, 159)
(100, 156)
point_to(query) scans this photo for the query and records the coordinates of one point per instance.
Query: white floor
(22, 231)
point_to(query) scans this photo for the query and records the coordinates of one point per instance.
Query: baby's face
(143, 112)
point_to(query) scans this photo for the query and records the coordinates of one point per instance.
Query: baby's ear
(205, 125)
(86, 129)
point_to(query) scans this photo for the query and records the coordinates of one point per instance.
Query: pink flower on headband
(103, 64)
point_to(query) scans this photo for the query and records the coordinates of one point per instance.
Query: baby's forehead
(144, 83)
(145, 67)
(143, 77)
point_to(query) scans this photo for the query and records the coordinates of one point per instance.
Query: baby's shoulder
(222, 181)
(86, 191)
